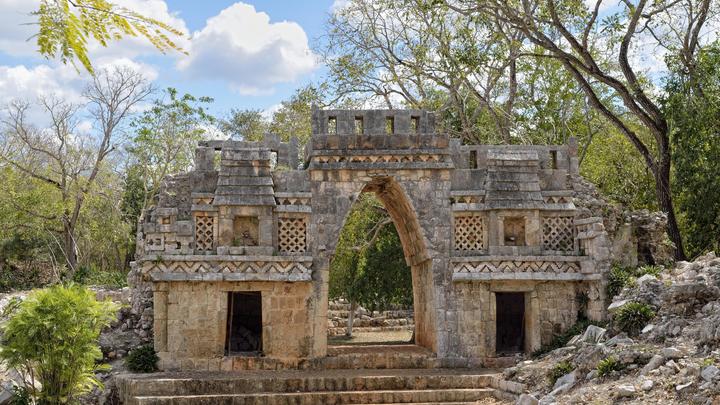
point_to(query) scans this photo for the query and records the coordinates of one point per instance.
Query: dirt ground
(366, 338)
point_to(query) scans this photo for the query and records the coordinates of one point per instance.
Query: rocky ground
(674, 359)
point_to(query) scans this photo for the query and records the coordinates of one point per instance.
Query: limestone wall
(191, 318)
(550, 309)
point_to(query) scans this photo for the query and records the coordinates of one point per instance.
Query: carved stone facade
(484, 228)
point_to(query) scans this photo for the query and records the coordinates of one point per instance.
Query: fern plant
(52, 336)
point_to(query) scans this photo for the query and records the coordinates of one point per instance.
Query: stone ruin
(233, 260)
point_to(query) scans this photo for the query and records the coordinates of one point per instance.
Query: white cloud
(242, 47)
(17, 28)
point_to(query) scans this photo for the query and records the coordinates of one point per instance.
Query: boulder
(593, 335)
(710, 373)
(655, 362)
(671, 353)
(625, 391)
(527, 399)
(647, 385)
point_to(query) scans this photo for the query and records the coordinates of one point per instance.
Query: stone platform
(390, 386)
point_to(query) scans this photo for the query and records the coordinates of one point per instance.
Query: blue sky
(250, 54)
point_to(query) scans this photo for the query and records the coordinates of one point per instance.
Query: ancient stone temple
(233, 260)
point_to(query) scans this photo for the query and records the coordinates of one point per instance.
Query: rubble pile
(674, 358)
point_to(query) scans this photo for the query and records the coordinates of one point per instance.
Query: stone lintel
(492, 258)
(224, 258)
(162, 276)
(525, 276)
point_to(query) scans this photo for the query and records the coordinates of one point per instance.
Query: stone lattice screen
(204, 232)
(558, 234)
(292, 235)
(469, 232)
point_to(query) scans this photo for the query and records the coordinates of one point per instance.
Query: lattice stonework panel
(558, 234)
(292, 235)
(204, 232)
(469, 232)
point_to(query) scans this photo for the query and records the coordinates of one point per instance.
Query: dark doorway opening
(244, 323)
(510, 322)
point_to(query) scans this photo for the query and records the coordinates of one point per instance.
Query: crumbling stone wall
(473, 221)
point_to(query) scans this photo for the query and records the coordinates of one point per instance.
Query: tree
(248, 125)
(291, 119)
(596, 52)
(369, 267)
(67, 161)
(52, 338)
(165, 138)
(294, 116)
(67, 25)
(416, 54)
(692, 105)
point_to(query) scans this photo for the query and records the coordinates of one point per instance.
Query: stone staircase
(313, 387)
(366, 322)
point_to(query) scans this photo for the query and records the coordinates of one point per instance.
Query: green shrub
(142, 359)
(607, 365)
(621, 277)
(618, 278)
(53, 336)
(559, 370)
(632, 317)
(648, 269)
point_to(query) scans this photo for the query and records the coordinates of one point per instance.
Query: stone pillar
(532, 322)
(160, 295)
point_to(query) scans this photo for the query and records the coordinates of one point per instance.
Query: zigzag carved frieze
(191, 267)
(512, 266)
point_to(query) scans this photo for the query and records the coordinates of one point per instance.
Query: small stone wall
(191, 318)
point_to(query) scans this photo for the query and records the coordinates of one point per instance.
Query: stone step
(183, 384)
(335, 331)
(328, 397)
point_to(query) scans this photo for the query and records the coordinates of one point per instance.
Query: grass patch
(559, 370)
(608, 365)
(632, 317)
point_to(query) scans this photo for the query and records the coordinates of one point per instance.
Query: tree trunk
(351, 319)
(70, 248)
(664, 196)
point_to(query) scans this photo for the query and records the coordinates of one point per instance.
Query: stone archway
(327, 224)
(391, 194)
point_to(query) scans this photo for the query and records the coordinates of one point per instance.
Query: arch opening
(402, 216)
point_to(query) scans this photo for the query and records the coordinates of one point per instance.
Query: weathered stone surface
(475, 221)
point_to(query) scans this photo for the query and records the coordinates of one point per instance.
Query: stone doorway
(244, 323)
(510, 323)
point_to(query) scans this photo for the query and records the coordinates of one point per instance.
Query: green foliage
(142, 359)
(292, 119)
(53, 337)
(562, 339)
(618, 279)
(621, 277)
(608, 365)
(66, 26)
(20, 396)
(369, 265)
(632, 317)
(616, 168)
(559, 370)
(92, 275)
(692, 105)
(247, 125)
(165, 139)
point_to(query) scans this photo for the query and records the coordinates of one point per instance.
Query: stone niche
(514, 231)
(245, 231)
